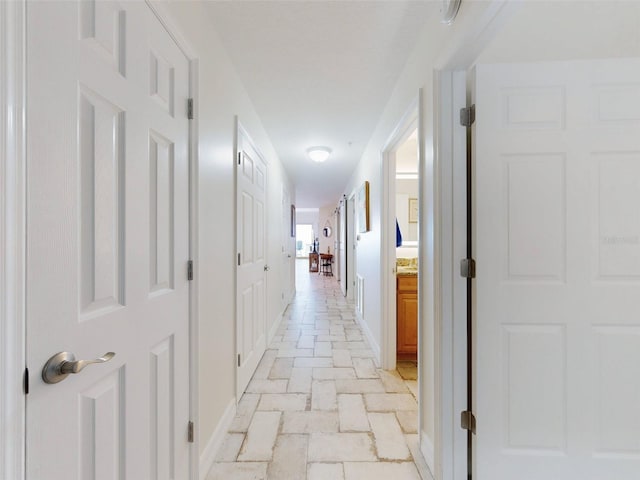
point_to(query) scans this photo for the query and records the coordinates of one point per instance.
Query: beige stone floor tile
(413, 387)
(352, 414)
(283, 402)
(247, 405)
(295, 352)
(333, 373)
(313, 362)
(392, 381)
(289, 458)
(323, 349)
(300, 381)
(323, 395)
(315, 421)
(340, 447)
(261, 437)
(342, 358)
(281, 368)
(408, 420)
(325, 471)
(359, 386)
(267, 386)
(365, 368)
(264, 367)
(387, 402)
(388, 436)
(306, 341)
(380, 471)
(238, 471)
(230, 447)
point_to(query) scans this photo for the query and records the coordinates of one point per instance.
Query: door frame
(403, 129)
(12, 239)
(449, 95)
(351, 246)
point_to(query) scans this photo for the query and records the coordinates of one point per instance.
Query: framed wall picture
(362, 208)
(413, 210)
(293, 221)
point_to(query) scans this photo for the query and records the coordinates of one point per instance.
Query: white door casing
(557, 245)
(342, 245)
(107, 246)
(251, 276)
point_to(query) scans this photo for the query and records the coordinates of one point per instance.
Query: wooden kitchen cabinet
(407, 317)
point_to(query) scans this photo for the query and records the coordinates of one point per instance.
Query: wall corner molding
(210, 451)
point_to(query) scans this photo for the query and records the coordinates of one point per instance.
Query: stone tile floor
(317, 408)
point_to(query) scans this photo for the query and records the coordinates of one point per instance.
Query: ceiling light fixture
(319, 154)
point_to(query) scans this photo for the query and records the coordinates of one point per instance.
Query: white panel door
(557, 244)
(107, 245)
(251, 274)
(342, 246)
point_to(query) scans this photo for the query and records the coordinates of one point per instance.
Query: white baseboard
(375, 346)
(274, 327)
(214, 443)
(428, 451)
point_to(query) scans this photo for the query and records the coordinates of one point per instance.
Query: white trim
(450, 454)
(194, 235)
(274, 328)
(375, 348)
(216, 440)
(12, 238)
(403, 129)
(450, 317)
(160, 10)
(427, 450)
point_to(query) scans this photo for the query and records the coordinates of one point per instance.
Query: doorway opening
(305, 240)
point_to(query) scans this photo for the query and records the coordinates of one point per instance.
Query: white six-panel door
(107, 245)
(251, 275)
(557, 244)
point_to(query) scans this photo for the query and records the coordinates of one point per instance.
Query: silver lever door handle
(62, 364)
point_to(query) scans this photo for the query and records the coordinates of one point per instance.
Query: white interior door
(251, 274)
(107, 242)
(557, 244)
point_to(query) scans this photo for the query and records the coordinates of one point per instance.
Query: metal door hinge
(239, 360)
(238, 259)
(190, 434)
(26, 381)
(190, 108)
(468, 268)
(467, 116)
(190, 270)
(468, 421)
(239, 158)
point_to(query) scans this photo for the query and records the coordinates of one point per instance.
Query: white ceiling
(319, 73)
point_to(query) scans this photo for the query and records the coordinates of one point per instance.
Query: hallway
(317, 407)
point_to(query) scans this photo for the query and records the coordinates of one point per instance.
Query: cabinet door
(407, 305)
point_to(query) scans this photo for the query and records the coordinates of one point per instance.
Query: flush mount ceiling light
(319, 154)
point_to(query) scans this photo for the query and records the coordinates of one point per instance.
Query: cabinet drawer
(407, 283)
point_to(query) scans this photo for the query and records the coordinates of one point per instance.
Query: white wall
(326, 217)
(222, 97)
(432, 50)
(406, 189)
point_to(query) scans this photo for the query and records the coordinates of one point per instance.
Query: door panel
(251, 276)
(557, 189)
(107, 242)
